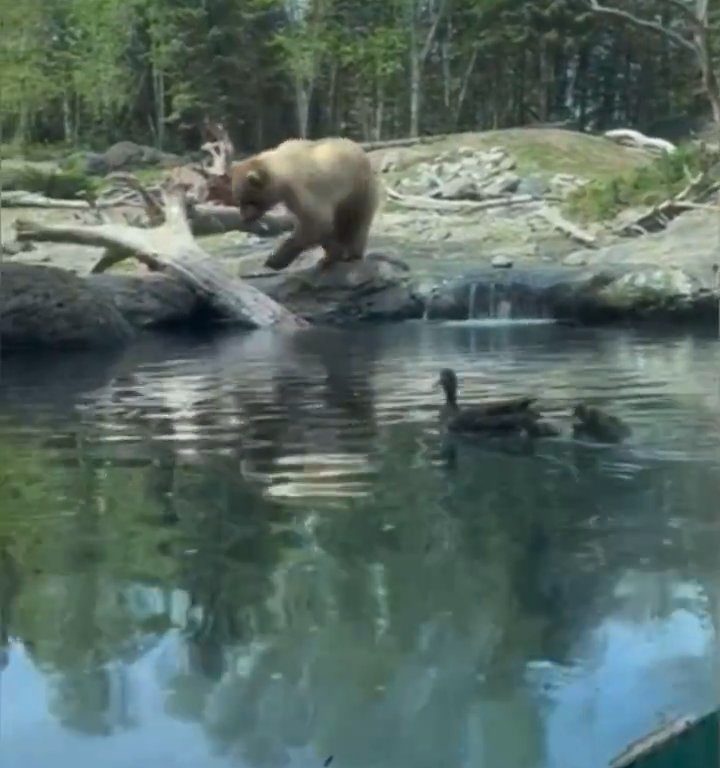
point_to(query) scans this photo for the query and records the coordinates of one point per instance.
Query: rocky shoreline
(479, 255)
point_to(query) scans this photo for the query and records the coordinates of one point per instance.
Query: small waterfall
(471, 301)
(491, 300)
(428, 303)
(504, 310)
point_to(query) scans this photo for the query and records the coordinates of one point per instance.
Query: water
(248, 552)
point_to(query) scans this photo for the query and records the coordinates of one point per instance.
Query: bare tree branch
(644, 23)
(433, 30)
(695, 19)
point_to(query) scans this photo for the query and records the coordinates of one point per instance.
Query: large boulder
(125, 155)
(376, 288)
(150, 300)
(664, 277)
(690, 242)
(49, 307)
(595, 295)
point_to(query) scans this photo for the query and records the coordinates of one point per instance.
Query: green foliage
(89, 72)
(65, 184)
(34, 152)
(646, 185)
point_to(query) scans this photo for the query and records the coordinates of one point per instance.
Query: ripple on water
(282, 498)
(306, 421)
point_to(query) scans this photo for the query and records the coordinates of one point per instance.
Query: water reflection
(246, 552)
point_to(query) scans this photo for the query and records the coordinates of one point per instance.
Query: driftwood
(370, 146)
(171, 248)
(653, 742)
(21, 199)
(628, 136)
(434, 204)
(219, 147)
(205, 218)
(659, 216)
(553, 216)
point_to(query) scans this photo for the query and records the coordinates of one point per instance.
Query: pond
(249, 551)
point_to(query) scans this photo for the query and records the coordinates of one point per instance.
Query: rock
(533, 185)
(460, 188)
(95, 164)
(504, 184)
(642, 293)
(576, 259)
(389, 162)
(690, 241)
(507, 163)
(13, 247)
(666, 295)
(49, 307)
(125, 155)
(649, 288)
(90, 163)
(501, 262)
(148, 300)
(378, 287)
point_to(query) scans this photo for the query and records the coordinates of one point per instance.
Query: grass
(14, 150)
(646, 185)
(543, 151)
(51, 182)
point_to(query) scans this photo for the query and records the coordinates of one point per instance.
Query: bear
(329, 186)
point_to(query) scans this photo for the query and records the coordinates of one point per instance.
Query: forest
(91, 72)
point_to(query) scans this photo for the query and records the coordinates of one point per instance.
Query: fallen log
(459, 206)
(628, 136)
(658, 216)
(171, 248)
(553, 217)
(205, 218)
(21, 199)
(370, 146)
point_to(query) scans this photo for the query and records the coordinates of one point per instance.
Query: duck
(590, 421)
(512, 414)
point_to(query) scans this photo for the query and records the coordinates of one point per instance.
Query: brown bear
(328, 185)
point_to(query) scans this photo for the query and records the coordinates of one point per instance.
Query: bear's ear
(256, 177)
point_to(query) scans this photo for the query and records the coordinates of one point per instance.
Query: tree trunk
(520, 90)
(629, 108)
(331, 98)
(302, 104)
(23, 126)
(379, 109)
(159, 93)
(544, 81)
(707, 69)
(418, 57)
(415, 78)
(446, 72)
(76, 121)
(582, 87)
(68, 132)
(464, 84)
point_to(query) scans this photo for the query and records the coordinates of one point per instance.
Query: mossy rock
(51, 182)
(46, 307)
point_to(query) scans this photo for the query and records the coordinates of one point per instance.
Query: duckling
(590, 421)
(504, 415)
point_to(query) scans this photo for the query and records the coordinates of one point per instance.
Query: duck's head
(581, 411)
(448, 381)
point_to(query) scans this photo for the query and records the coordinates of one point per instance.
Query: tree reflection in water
(269, 520)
